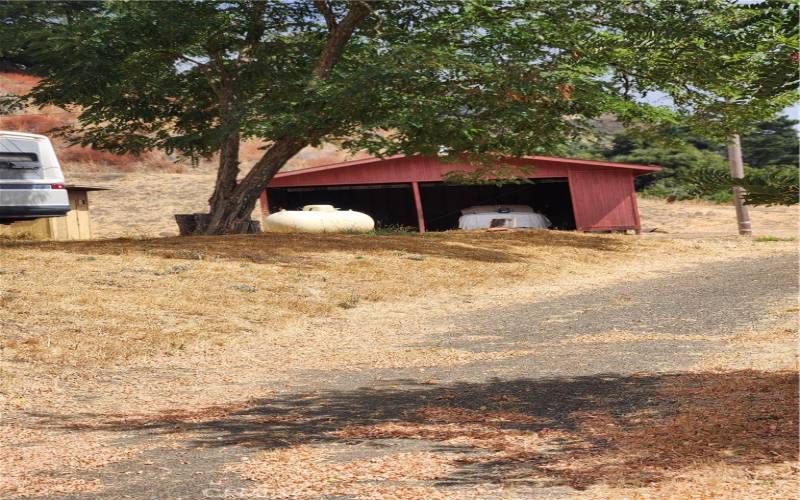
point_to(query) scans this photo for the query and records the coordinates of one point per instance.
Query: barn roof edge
(643, 169)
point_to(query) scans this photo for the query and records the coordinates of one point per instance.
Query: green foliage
(772, 142)
(766, 239)
(394, 230)
(419, 76)
(736, 62)
(480, 78)
(25, 25)
(696, 167)
(681, 163)
(773, 185)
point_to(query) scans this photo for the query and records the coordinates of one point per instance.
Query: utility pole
(737, 172)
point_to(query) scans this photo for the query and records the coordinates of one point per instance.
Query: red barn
(410, 191)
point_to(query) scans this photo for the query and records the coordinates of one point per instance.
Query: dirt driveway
(609, 393)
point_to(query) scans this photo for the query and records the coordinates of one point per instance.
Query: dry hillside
(77, 159)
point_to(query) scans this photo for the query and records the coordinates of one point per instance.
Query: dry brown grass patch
(133, 298)
(307, 471)
(772, 349)
(292, 248)
(718, 482)
(113, 300)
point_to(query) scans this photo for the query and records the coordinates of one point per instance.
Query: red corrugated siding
(398, 170)
(603, 199)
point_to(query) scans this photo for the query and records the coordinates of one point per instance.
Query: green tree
(476, 78)
(737, 61)
(692, 163)
(24, 24)
(772, 142)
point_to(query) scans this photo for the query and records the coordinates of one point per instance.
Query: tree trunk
(232, 202)
(231, 214)
(737, 172)
(224, 187)
(228, 170)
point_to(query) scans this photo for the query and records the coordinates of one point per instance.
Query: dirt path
(610, 351)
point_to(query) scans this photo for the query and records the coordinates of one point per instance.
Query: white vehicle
(31, 181)
(496, 216)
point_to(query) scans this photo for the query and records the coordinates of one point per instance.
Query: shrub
(35, 124)
(84, 154)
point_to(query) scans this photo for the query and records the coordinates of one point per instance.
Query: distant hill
(87, 160)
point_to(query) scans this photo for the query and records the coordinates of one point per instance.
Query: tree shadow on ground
(279, 247)
(576, 432)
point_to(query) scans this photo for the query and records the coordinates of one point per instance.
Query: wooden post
(737, 172)
(418, 205)
(264, 202)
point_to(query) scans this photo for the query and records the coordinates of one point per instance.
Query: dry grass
(702, 219)
(729, 482)
(203, 295)
(16, 83)
(34, 124)
(221, 312)
(160, 327)
(776, 349)
(31, 468)
(308, 472)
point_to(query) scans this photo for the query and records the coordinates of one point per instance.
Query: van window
(19, 159)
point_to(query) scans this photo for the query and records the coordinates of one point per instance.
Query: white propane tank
(318, 219)
(319, 208)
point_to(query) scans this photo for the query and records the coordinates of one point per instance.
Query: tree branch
(203, 67)
(256, 29)
(325, 9)
(339, 37)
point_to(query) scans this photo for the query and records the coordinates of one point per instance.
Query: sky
(793, 112)
(659, 98)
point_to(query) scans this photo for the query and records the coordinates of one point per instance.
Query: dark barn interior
(388, 204)
(443, 202)
(392, 205)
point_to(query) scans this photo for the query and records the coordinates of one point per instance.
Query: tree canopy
(695, 166)
(25, 24)
(476, 77)
(772, 142)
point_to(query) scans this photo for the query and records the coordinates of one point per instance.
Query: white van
(31, 181)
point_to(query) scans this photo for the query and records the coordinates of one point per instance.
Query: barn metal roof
(639, 169)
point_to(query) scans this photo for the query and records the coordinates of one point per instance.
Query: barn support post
(264, 203)
(635, 202)
(418, 205)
